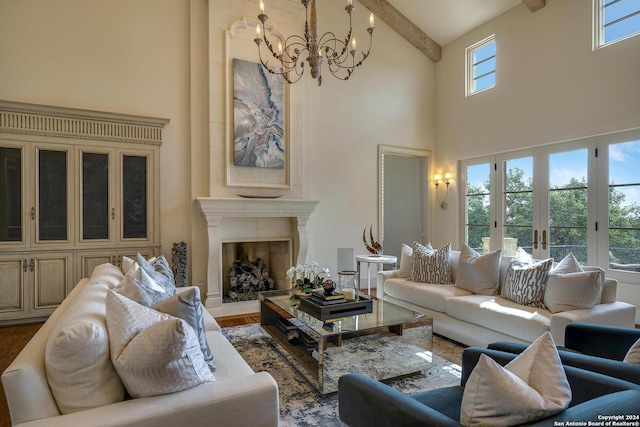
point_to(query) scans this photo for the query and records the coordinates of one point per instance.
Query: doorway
(402, 197)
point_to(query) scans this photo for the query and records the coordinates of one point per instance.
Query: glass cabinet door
(95, 210)
(134, 197)
(11, 226)
(52, 195)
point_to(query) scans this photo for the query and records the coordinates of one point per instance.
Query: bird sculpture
(373, 247)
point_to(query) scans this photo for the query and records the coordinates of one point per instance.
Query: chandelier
(340, 54)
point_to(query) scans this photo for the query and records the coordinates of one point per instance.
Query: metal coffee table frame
(391, 341)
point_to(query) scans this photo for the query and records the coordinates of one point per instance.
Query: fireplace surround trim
(218, 210)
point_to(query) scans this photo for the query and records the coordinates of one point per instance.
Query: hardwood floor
(14, 338)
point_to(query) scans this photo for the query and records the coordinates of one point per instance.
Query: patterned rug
(300, 403)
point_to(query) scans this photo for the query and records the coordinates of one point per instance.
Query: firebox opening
(249, 268)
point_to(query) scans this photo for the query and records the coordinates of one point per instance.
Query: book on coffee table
(330, 297)
(321, 301)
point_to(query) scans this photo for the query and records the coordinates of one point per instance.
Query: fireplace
(251, 220)
(249, 268)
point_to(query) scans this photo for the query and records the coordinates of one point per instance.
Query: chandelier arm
(339, 63)
(288, 66)
(340, 59)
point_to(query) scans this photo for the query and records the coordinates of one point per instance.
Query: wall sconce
(438, 180)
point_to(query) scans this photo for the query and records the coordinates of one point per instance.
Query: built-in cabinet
(78, 188)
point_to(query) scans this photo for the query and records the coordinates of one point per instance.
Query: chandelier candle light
(341, 60)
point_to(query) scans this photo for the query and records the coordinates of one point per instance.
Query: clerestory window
(615, 20)
(481, 66)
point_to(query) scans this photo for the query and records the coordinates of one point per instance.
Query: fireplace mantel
(230, 219)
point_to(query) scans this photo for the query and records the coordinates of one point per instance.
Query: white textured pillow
(531, 387)
(572, 291)
(477, 273)
(633, 355)
(141, 288)
(154, 353)
(429, 265)
(79, 369)
(127, 264)
(526, 279)
(405, 262)
(568, 264)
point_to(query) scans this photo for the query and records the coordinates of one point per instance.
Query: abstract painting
(258, 112)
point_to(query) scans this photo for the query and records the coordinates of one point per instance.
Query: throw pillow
(633, 355)
(160, 271)
(128, 264)
(405, 262)
(141, 288)
(572, 291)
(568, 264)
(530, 387)
(526, 279)
(154, 353)
(77, 361)
(477, 273)
(188, 307)
(429, 265)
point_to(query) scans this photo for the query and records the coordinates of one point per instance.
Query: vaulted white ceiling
(446, 20)
(431, 24)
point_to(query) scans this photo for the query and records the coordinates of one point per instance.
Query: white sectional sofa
(239, 396)
(478, 320)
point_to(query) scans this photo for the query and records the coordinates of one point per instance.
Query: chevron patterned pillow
(526, 279)
(429, 265)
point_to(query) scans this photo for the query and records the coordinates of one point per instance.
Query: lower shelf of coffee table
(345, 352)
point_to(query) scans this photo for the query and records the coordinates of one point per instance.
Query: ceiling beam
(399, 23)
(534, 5)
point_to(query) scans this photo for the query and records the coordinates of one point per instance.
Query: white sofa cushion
(499, 314)
(530, 387)
(477, 273)
(433, 297)
(154, 353)
(79, 370)
(572, 291)
(404, 269)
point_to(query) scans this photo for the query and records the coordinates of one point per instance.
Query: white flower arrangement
(308, 276)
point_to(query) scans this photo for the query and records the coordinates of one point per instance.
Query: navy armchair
(596, 348)
(364, 402)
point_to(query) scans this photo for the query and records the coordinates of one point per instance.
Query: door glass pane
(624, 206)
(52, 195)
(95, 196)
(478, 207)
(568, 204)
(10, 194)
(134, 197)
(518, 204)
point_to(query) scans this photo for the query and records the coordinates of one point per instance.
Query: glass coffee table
(389, 342)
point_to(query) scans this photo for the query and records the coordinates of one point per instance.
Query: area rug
(300, 403)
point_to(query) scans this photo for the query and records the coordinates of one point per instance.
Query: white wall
(151, 57)
(119, 55)
(550, 87)
(335, 128)
(389, 100)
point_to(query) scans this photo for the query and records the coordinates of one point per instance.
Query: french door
(545, 199)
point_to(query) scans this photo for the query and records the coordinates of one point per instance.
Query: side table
(374, 259)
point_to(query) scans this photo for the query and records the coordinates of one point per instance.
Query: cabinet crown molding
(35, 119)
